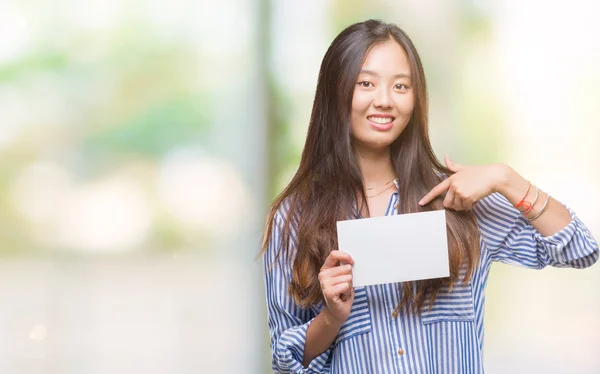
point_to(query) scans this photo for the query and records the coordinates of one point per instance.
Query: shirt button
(401, 352)
(395, 314)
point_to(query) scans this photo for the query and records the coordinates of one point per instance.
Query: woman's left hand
(467, 185)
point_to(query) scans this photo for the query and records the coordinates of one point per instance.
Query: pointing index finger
(435, 192)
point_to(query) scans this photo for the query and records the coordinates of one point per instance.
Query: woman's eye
(401, 87)
(365, 84)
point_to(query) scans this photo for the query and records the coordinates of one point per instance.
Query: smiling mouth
(381, 120)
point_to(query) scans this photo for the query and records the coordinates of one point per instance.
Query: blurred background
(142, 141)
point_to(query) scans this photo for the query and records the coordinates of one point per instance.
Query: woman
(368, 154)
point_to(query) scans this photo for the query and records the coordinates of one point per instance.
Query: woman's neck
(376, 167)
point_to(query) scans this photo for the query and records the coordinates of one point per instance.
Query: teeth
(382, 120)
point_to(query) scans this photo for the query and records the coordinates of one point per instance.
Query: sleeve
(510, 238)
(287, 322)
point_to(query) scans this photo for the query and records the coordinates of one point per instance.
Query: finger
(449, 163)
(435, 192)
(330, 282)
(335, 272)
(336, 256)
(334, 292)
(458, 202)
(348, 293)
(449, 199)
(469, 204)
(453, 166)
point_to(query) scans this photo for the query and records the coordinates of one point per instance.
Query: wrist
(330, 320)
(504, 177)
(510, 184)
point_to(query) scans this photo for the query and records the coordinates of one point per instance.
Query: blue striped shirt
(447, 338)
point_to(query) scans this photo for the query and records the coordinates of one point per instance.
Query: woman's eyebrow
(372, 73)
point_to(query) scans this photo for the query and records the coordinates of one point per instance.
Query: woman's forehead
(386, 59)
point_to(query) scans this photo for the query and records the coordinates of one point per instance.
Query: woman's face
(383, 98)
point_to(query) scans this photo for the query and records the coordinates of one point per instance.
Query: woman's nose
(382, 99)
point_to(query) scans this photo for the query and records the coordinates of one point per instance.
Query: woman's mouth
(381, 122)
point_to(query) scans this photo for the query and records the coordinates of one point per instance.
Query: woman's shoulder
(286, 212)
(282, 233)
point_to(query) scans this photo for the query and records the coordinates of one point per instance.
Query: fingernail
(421, 202)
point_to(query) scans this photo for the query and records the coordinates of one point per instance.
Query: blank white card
(397, 248)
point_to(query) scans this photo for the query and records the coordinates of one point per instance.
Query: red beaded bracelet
(537, 194)
(523, 203)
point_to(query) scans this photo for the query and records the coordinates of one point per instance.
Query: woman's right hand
(336, 285)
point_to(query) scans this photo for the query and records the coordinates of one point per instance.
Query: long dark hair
(324, 189)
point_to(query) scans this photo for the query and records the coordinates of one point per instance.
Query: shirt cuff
(564, 247)
(289, 352)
